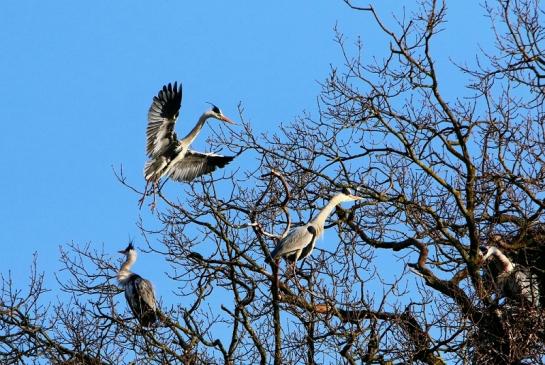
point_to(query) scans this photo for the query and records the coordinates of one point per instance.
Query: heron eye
(216, 110)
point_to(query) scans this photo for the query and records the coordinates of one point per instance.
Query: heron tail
(148, 318)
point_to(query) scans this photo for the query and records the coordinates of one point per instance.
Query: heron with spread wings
(170, 156)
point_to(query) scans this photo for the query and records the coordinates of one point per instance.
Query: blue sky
(77, 79)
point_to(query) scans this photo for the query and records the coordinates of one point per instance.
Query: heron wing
(141, 298)
(524, 284)
(297, 239)
(155, 167)
(307, 250)
(162, 116)
(195, 164)
(147, 293)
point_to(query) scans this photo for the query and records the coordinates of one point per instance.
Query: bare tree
(398, 278)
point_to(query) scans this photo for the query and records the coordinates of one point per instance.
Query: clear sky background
(77, 79)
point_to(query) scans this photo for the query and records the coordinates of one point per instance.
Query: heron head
(486, 252)
(216, 113)
(346, 195)
(483, 250)
(129, 248)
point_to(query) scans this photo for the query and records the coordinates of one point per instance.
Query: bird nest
(509, 334)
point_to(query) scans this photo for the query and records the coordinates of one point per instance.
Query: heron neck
(187, 140)
(125, 271)
(319, 221)
(504, 260)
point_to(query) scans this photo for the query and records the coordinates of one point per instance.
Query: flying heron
(170, 156)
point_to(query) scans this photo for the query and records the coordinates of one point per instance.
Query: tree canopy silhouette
(399, 276)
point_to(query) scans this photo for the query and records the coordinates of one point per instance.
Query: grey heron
(307, 250)
(138, 291)
(170, 156)
(515, 282)
(299, 242)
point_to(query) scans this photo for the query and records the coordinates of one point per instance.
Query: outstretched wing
(195, 164)
(162, 116)
(296, 240)
(141, 298)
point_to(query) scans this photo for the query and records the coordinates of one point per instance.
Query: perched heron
(307, 250)
(138, 291)
(170, 156)
(300, 241)
(515, 282)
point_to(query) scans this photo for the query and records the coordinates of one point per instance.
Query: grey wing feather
(307, 250)
(296, 240)
(141, 298)
(131, 295)
(195, 164)
(162, 116)
(147, 293)
(525, 284)
(155, 167)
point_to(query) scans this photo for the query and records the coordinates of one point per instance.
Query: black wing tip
(172, 87)
(215, 162)
(167, 102)
(170, 91)
(222, 161)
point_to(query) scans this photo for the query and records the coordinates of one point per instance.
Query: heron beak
(356, 197)
(122, 251)
(223, 118)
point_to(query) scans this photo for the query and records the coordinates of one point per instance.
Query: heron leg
(144, 194)
(296, 278)
(302, 272)
(295, 259)
(155, 192)
(297, 255)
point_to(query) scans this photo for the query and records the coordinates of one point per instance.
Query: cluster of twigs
(396, 279)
